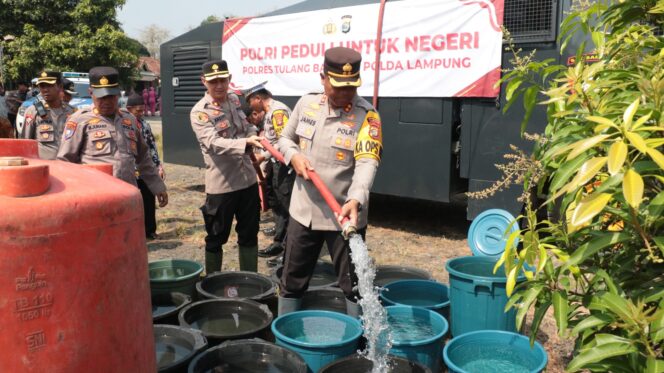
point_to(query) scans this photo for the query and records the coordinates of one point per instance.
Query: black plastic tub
(248, 356)
(226, 319)
(324, 275)
(390, 273)
(359, 364)
(324, 299)
(165, 307)
(239, 285)
(175, 346)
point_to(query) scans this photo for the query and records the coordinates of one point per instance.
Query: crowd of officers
(336, 133)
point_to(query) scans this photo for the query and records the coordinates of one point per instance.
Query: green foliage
(68, 35)
(598, 257)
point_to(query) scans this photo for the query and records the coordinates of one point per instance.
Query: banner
(429, 48)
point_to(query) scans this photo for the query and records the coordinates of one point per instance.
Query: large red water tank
(74, 287)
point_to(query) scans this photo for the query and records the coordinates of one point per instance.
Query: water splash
(374, 316)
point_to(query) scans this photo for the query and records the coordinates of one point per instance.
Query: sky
(180, 16)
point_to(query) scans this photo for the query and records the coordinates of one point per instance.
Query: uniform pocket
(101, 143)
(343, 147)
(45, 133)
(306, 131)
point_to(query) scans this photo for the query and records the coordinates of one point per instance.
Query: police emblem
(374, 132)
(215, 67)
(70, 129)
(44, 74)
(103, 80)
(345, 25)
(203, 117)
(329, 28)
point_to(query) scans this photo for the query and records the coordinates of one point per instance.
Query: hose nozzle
(348, 230)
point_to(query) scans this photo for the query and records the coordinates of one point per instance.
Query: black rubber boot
(212, 262)
(248, 258)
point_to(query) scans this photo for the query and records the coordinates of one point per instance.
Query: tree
(142, 50)
(67, 35)
(152, 37)
(210, 19)
(600, 263)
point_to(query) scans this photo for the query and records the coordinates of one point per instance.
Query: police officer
(337, 134)
(106, 134)
(276, 118)
(68, 90)
(45, 121)
(226, 139)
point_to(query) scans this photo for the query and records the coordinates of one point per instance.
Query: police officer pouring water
(282, 177)
(45, 121)
(106, 134)
(338, 134)
(226, 139)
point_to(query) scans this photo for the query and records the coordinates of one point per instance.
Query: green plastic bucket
(478, 296)
(174, 275)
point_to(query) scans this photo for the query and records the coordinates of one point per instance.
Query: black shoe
(271, 231)
(272, 250)
(277, 261)
(152, 236)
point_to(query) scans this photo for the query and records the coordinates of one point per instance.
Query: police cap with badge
(104, 81)
(342, 66)
(49, 77)
(259, 88)
(215, 70)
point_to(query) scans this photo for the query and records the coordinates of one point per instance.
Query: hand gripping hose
(346, 228)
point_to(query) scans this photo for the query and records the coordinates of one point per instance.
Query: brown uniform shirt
(221, 129)
(274, 122)
(47, 130)
(92, 138)
(344, 147)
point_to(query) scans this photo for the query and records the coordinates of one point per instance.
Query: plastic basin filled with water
(386, 274)
(165, 307)
(248, 356)
(360, 364)
(417, 293)
(324, 275)
(174, 275)
(224, 319)
(494, 351)
(417, 334)
(175, 346)
(319, 337)
(236, 284)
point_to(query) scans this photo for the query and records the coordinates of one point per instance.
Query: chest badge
(44, 135)
(98, 134)
(99, 145)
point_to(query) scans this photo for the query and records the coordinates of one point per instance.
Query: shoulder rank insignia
(126, 122)
(94, 121)
(310, 114)
(314, 106)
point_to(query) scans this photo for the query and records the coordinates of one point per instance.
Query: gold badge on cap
(103, 80)
(347, 69)
(44, 74)
(215, 67)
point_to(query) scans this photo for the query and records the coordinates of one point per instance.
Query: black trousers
(148, 207)
(303, 247)
(218, 213)
(282, 185)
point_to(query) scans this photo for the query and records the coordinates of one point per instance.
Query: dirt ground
(401, 232)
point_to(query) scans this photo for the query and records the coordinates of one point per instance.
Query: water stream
(374, 316)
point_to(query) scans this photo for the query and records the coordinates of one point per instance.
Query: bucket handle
(482, 283)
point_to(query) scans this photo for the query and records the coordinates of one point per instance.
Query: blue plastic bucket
(493, 351)
(319, 337)
(478, 296)
(417, 334)
(427, 294)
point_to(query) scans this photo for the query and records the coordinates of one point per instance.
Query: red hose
(315, 179)
(379, 39)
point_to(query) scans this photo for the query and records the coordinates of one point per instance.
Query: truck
(435, 148)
